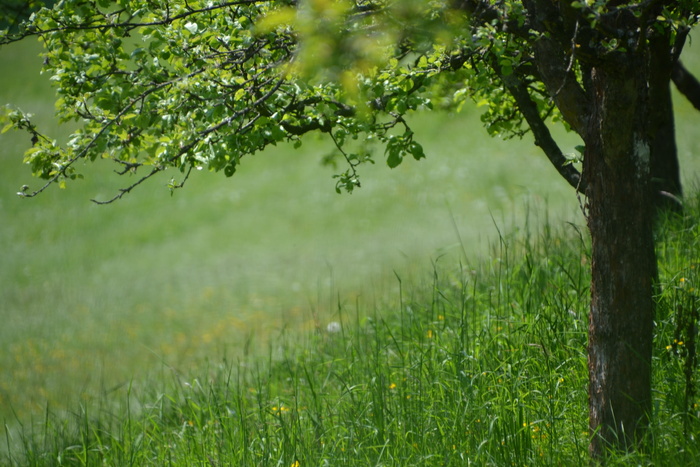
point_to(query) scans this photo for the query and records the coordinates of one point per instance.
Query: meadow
(194, 328)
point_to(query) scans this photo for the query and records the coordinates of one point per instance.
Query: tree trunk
(617, 168)
(665, 172)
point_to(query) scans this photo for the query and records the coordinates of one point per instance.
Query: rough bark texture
(617, 168)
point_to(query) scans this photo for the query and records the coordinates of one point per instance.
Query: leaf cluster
(192, 85)
(189, 85)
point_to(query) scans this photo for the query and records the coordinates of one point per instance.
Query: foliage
(193, 84)
(190, 85)
(480, 364)
(14, 12)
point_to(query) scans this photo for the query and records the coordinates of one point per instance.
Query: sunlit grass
(482, 363)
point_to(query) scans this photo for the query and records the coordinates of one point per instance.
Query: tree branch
(123, 191)
(686, 83)
(561, 83)
(484, 12)
(106, 125)
(127, 25)
(543, 137)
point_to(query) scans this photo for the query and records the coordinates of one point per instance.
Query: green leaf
(7, 127)
(394, 158)
(416, 150)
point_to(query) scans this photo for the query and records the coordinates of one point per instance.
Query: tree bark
(617, 168)
(665, 171)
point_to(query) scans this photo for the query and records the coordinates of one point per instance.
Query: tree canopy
(200, 85)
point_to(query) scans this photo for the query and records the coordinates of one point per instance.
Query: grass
(181, 329)
(482, 364)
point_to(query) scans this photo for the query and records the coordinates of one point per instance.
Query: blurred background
(97, 298)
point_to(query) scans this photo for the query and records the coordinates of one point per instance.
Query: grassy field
(130, 302)
(482, 364)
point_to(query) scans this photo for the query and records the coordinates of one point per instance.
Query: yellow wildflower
(280, 410)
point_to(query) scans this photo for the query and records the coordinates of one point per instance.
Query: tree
(159, 84)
